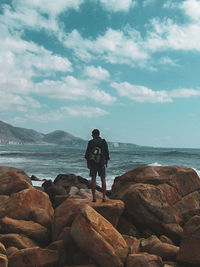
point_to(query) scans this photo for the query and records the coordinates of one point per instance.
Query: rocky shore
(151, 219)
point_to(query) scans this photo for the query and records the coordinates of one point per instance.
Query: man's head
(95, 133)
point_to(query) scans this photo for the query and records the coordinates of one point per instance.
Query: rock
(148, 243)
(28, 228)
(153, 245)
(28, 204)
(2, 249)
(184, 180)
(32, 257)
(74, 255)
(147, 205)
(53, 190)
(189, 248)
(170, 264)
(17, 240)
(13, 180)
(3, 260)
(189, 204)
(11, 250)
(166, 239)
(159, 198)
(69, 180)
(66, 212)
(62, 251)
(133, 244)
(127, 228)
(98, 238)
(165, 251)
(144, 259)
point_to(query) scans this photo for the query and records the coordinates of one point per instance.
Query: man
(97, 163)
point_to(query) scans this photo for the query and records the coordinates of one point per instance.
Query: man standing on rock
(97, 156)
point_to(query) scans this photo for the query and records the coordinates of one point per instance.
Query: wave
(180, 153)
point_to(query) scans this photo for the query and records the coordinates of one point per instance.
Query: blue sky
(129, 68)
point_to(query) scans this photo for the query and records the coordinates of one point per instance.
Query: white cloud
(13, 102)
(97, 73)
(118, 5)
(84, 111)
(74, 89)
(141, 93)
(167, 61)
(116, 47)
(191, 9)
(184, 93)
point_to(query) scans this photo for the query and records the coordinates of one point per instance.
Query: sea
(47, 161)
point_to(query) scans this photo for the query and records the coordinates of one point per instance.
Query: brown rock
(13, 180)
(98, 238)
(66, 212)
(165, 251)
(3, 260)
(144, 259)
(147, 205)
(184, 180)
(189, 248)
(31, 257)
(127, 228)
(2, 249)
(166, 239)
(148, 243)
(28, 228)
(133, 244)
(28, 204)
(17, 240)
(189, 204)
(11, 250)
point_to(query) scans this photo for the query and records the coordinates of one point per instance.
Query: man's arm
(87, 153)
(106, 151)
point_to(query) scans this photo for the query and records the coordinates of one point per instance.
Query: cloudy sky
(129, 68)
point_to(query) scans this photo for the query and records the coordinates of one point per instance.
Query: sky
(129, 68)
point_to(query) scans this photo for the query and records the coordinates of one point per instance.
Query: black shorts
(100, 169)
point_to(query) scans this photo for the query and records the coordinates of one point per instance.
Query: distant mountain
(16, 135)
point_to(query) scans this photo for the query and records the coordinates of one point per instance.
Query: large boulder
(189, 248)
(32, 257)
(159, 198)
(29, 228)
(66, 212)
(184, 180)
(13, 180)
(28, 204)
(98, 238)
(147, 206)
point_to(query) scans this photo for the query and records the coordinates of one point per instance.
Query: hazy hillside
(16, 135)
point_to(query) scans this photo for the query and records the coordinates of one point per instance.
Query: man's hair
(95, 132)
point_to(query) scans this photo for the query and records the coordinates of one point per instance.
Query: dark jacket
(98, 142)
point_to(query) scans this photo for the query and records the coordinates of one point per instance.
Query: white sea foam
(155, 164)
(197, 171)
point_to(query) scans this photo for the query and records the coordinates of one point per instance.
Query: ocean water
(47, 161)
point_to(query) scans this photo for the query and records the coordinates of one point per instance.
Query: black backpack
(95, 155)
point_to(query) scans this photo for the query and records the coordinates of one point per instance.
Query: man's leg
(103, 182)
(93, 186)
